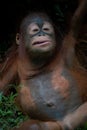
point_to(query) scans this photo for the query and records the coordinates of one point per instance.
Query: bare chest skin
(50, 95)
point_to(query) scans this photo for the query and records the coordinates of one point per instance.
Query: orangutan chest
(53, 85)
(49, 86)
(52, 95)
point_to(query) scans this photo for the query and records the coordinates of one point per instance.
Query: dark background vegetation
(11, 13)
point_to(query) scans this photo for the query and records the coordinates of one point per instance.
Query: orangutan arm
(71, 38)
(7, 73)
(76, 118)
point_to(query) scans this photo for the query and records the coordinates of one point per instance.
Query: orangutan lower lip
(41, 42)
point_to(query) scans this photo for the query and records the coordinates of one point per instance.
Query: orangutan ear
(18, 39)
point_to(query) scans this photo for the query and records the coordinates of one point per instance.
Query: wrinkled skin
(53, 87)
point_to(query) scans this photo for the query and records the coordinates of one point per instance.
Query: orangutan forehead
(36, 18)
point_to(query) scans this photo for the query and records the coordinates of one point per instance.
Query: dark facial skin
(38, 35)
(41, 35)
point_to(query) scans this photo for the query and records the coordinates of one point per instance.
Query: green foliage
(83, 128)
(10, 115)
(59, 13)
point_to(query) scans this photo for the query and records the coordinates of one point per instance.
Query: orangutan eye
(47, 27)
(33, 28)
